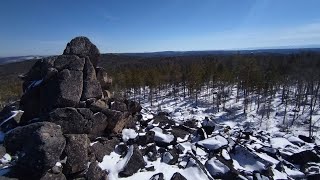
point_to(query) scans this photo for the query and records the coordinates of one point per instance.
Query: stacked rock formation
(64, 110)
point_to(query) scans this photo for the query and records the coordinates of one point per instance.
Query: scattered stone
(151, 152)
(306, 139)
(146, 139)
(269, 151)
(179, 131)
(53, 176)
(150, 168)
(214, 143)
(258, 176)
(97, 105)
(158, 176)
(76, 152)
(177, 176)
(117, 121)
(251, 159)
(162, 121)
(56, 169)
(121, 149)
(2, 151)
(162, 138)
(118, 106)
(170, 157)
(216, 168)
(95, 172)
(135, 162)
(313, 177)
(208, 125)
(103, 147)
(304, 157)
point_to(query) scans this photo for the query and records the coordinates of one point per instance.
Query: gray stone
(91, 86)
(135, 163)
(40, 146)
(177, 176)
(53, 176)
(76, 152)
(81, 46)
(95, 172)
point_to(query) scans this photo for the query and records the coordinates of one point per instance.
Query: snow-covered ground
(182, 108)
(200, 142)
(248, 155)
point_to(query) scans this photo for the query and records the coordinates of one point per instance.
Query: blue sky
(43, 27)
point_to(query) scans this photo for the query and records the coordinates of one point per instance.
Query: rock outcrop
(64, 111)
(38, 146)
(57, 82)
(82, 47)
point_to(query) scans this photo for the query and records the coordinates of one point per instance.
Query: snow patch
(128, 134)
(213, 143)
(161, 137)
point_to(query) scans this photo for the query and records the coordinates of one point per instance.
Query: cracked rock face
(40, 146)
(81, 46)
(61, 81)
(76, 152)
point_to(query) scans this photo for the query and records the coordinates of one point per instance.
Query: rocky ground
(67, 127)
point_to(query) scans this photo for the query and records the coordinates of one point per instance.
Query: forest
(254, 78)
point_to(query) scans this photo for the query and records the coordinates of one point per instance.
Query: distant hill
(222, 52)
(6, 60)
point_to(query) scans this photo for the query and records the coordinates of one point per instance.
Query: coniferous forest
(256, 78)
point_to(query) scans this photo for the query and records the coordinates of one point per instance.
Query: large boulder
(76, 152)
(61, 81)
(117, 120)
(103, 78)
(103, 147)
(91, 86)
(134, 163)
(51, 83)
(40, 146)
(82, 46)
(79, 121)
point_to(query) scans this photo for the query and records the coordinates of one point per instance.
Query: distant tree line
(256, 77)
